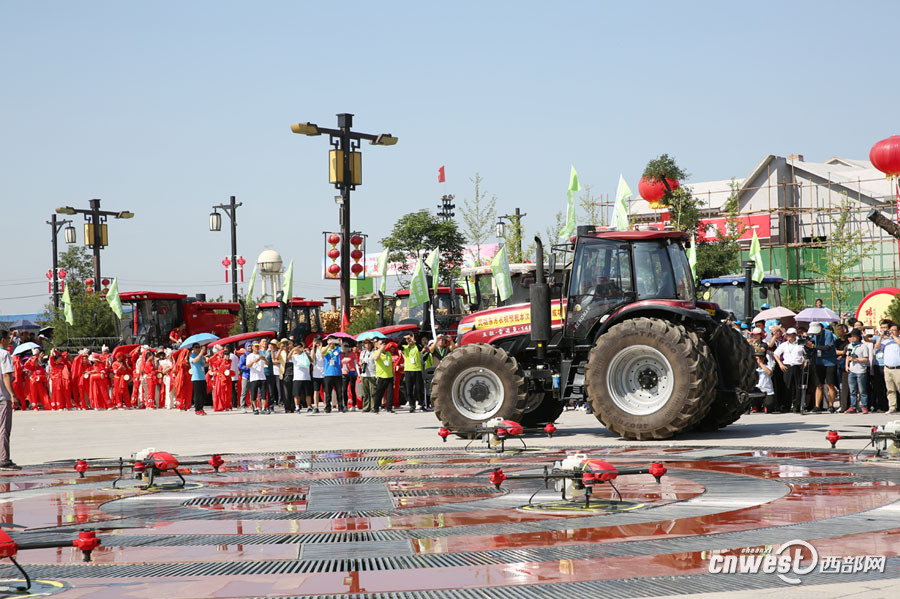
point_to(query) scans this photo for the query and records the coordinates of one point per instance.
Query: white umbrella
(773, 313)
(816, 315)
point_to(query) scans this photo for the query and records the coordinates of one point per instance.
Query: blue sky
(167, 108)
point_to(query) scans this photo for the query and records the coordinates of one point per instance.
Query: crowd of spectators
(825, 366)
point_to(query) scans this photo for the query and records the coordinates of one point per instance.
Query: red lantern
(654, 191)
(62, 273)
(105, 282)
(334, 269)
(356, 240)
(89, 282)
(356, 268)
(334, 254)
(356, 255)
(885, 156)
(334, 239)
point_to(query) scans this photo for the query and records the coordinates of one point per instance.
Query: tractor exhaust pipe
(539, 294)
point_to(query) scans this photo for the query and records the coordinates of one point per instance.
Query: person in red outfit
(121, 375)
(61, 394)
(220, 370)
(149, 380)
(98, 383)
(20, 382)
(78, 380)
(38, 388)
(181, 379)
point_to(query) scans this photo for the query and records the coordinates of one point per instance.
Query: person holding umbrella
(198, 377)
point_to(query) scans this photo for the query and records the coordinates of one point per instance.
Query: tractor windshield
(601, 280)
(662, 271)
(154, 319)
(403, 314)
(267, 320)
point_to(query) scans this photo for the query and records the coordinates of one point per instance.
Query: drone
(495, 432)
(87, 541)
(885, 438)
(149, 463)
(578, 472)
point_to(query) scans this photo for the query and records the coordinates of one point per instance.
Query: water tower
(269, 266)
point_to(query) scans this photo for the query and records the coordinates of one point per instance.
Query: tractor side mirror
(763, 292)
(551, 267)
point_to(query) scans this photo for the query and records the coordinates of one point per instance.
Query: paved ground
(45, 436)
(287, 518)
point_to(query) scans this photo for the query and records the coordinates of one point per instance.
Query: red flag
(441, 177)
(345, 322)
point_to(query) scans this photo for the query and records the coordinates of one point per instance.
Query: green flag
(500, 270)
(692, 256)
(67, 306)
(113, 299)
(756, 256)
(569, 229)
(433, 262)
(382, 270)
(418, 286)
(623, 192)
(287, 288)
(252, 280)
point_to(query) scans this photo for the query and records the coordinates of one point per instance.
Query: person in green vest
(413, 380)
(384, 375)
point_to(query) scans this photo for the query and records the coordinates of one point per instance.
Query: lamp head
(384, 139)
(305, 129)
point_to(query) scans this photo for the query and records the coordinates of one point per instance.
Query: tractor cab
(728, 293)
(482, 290)
(612, 270)
(155, 315)
(448, 308)
(297, 317)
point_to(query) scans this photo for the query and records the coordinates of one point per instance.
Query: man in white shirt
(256, 362)
(791, 358)
(8, 401)
(235, 376)
(892, 366)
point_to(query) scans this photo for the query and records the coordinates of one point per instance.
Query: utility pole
(95, 230)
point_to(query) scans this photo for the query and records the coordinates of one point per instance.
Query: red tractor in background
(625, 332)
(154, 315)
(298, 317)
(400, 318)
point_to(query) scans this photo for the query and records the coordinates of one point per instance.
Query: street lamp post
(56, 225)
(446, 207)
(215, 224)
(346, 174)
(95, 230)
(517, 219)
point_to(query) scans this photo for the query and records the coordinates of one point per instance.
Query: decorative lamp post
(501, 228)
(95, 234)
(345, 173)
(215, 225)
(55, 225)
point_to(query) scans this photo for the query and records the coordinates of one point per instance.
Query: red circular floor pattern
(414, 522)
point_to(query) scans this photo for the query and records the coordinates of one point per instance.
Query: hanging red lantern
(654, 191)
(885, 156)
(356, 240)
(105, 282)
(356, 255)
(334, 239)
(334, 254)
(89, 282)
(62, 273)
(334, 269)
(356, 268)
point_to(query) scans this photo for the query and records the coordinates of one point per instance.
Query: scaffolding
(802, 216)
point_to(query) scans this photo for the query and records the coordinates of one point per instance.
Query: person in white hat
(791, 358)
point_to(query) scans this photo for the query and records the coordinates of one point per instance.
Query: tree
(722, 255)
(512, 239)
(91, 313)
(417, 233)
(478, 217)
(893, 309)
(551, 234)
(844, 249)
(591, 207)
(684, 208)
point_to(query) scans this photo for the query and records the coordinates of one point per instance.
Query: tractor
(624, 330)
(154, 315)
(299, 317)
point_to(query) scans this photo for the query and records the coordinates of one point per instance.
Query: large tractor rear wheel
(737, 370)
(648, 378)
(475, 383)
